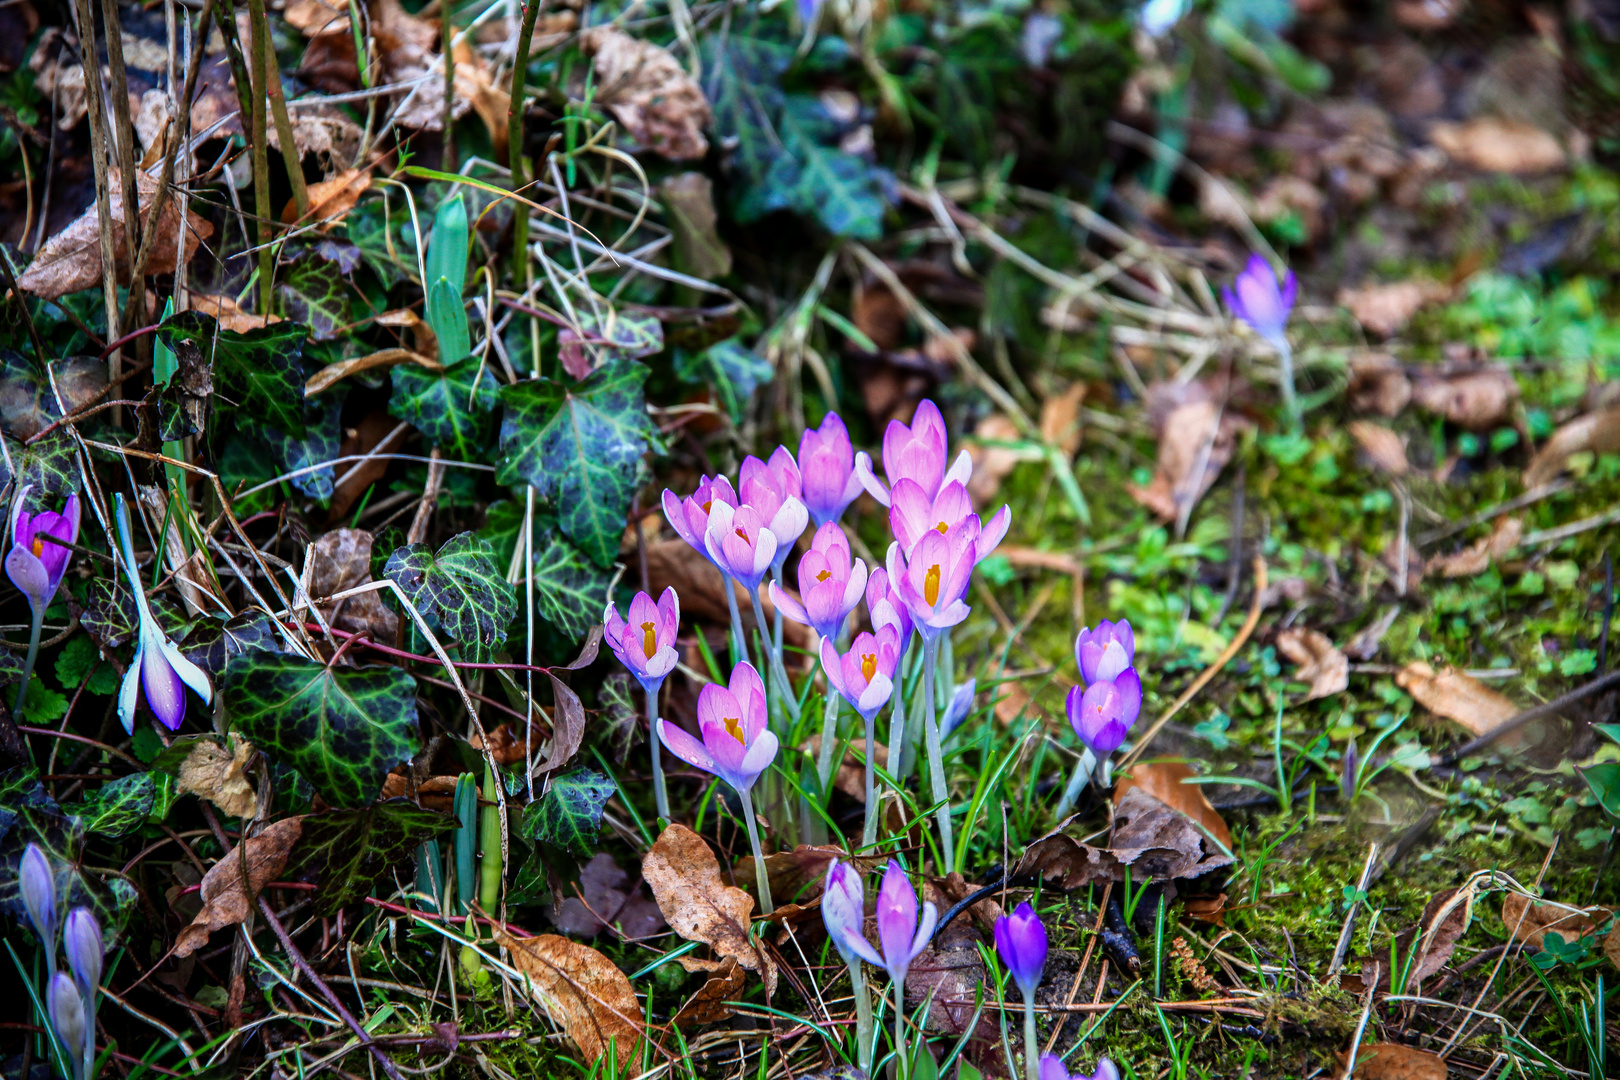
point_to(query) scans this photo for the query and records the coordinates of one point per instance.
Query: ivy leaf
(77, 661)
(118, 808)
(743, 80)
(341, 729)
(459, 590)
(580, 447)
(839, 190)
(323, 435)
(348, 850)
(52, 466)
(451, 409)
(569, 589)
(312, 292)
(258, 371)
(212, 643)
(732, 370)
(29, 815)
(569, 814)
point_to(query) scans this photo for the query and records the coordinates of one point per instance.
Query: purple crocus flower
(66, 1007)
(34, 564)
(830, 583)
(158, 666)
(912, 513)
(81, 938)
(886, 608)
(958, 708)
(1102, 715)
(740, 543)
(1102, 654)
(1021, 944)
(827, 470)
(901, 934)
(37, 883)
(773, 488)
(689, 517)
(1258, 299)
(843, 910)
(645, 642)
(932, 579)
(736, 745)
(914, 452)
(865, 674)
(1052, 1068)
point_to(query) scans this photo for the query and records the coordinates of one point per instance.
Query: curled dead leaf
(330, 200)
(1197, 438)
(708, 1005)
(583, 991)
(216, 774)
(1320, 663)
(331, 374)
(229, 314)
(225, 903)
(1383, 447)
(685, 879)
(1158, 843)
(1477, 557)
(1446, 919)
(1493, 145)
(342, 561)
(1378, 384)
(1391, 1061)
(1167, 781)
(649, 92)
(1598, 432)
(1456, 696)
(1385, 309)
(1529, 920)
(1476, 400)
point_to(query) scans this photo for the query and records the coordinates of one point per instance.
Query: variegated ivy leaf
(451, 408)
(459, 590)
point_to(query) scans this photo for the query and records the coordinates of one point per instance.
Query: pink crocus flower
(34, 564)
(912, 513)
(914, 452)
(830, 584)
(773, 489)
(843, 911)
(1258, 299)
(739, 543)
(737, 745)
(1052, 1068)
(865, 674)
(689, 517)
(827, 468)
(645, 641)
(1102, 654)
(1103, 713)
(932, 579)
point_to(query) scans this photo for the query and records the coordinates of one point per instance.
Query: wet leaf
(730, 369)
(341, 729)
(685, 880)
(225, 901)
(348, 851)
(118, 808)
(569, 589)
(258, 371)
(606, 890)
(452, 408)
(582, 991)
(1320, 662)
(458, 590)
(708, 1005)
(313, 292)
(580, 447)
(1167, 782)
(212, 643)
(569, 814)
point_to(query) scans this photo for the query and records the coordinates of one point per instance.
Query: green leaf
(839, 190)
(118, 808)
(51, 465)
(1604, 780)
(580, 446)
(732, 370)
(258, 372)
(447, 315)
(323, 435)
(341, 729)
(569, 814)
(451, 409)
(212, 643)
(569, 589)
(312, 291)
(458, 590)
(110, 616)
(743, 77)
(347, 851)
(78, 659)
(448, 243)
(44, 705)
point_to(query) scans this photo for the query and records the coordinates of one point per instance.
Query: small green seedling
(446, 278)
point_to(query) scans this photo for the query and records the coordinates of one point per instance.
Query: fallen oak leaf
(225, 903)
(582, 991)
(1320, 663)
(685, 879)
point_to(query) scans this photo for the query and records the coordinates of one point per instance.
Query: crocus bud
(1102, 654)
(843, 910)
(827, 470)
(1052, 1068)
(38, 886)
(1102, 715)
(961, 704)
(901, 932)
(1021, 944)
(1258, 299)
(66, 1006)
(81, 938)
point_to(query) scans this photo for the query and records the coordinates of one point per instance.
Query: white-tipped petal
(129, 694)
(190, 674)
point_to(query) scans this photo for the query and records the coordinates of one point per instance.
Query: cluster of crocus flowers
(903, 931)
(1260, 300)
(40, 546)
(1021, 944)
(70, 996)
(645, 644)
(1103, 711)
(158, 668)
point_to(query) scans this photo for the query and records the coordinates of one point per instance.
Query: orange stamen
(942, 528)
(734, 729)
(868, 666)
(824, 575)
(707, 504)
(649, 639)
(742, 534)
(931, 585)
(38, 546)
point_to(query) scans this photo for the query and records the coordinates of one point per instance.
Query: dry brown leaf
(342, 561)
(697, 904)
(333, 138)
(699, 251)
(1391, 1061)
(1385, 309)
(376, 431)
(649, 92)
(1456, 696)
(334, 373)
(991, 464)
(1060, 419)
(229, 314)
(1477, 557)
(1012, 701)
(1529, 920)
(879, 314)
(1320, 663)
(313, 18)
(331, 199)
(1210, 909)
(422, 335)
(1386, 448)
(791, 872)
(216, 774)
(224, 902)
(1158, 843)
(1477, 400)
(583, 991)
(432, 792)
(1492, 145)
(1598, 432)
(1445, 920)
(1196, 433)
(1611, 946)
(708, 1005)
(1167, 782)
(607, 897)
(71, 260)
(1378, 384)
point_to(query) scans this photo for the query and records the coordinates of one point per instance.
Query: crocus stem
(1077, 783)
(739, 643)
(869, 829)
(864, 1035)
(776, 615)
(660, 795)
(28, 664)
(829, 735)
(1285, 377)
(897, 738)
(936, 759)
(761, 879)
(902, 1066)
(489, 843)
(778, 671)
(1032, 1060)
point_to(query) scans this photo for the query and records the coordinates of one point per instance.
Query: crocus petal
(992, 534)
(684, 746)
(875, 696)
(165, 693)
(1052, 1068)
(833, 667)
(863, 472)
(843, 910)
(961, 470)
(896, 919)
(1106, 1070)
(190, 674)
(749, 690)
(37, 883)
(925, 931)
(758, 758)
(675, 514)
(129, 693)
(30, 576)
(17, 502)
(787, 605)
